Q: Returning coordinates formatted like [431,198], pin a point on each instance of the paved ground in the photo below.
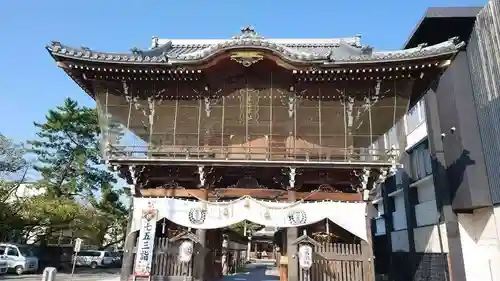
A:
[258,271]
[80,275]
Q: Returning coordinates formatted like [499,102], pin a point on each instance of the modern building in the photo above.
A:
[438,217]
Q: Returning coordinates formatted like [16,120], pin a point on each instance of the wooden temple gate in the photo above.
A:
[283,120]
[166,265]
[337,262]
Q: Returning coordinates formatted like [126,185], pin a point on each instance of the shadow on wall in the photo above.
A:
[433,266]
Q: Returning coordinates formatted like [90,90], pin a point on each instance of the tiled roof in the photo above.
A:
[323,51]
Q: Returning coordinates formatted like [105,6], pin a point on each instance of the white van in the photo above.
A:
[19,258]
[94,258]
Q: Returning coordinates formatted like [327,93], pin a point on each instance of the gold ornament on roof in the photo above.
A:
[247,58]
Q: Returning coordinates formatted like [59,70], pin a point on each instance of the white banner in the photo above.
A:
[212,215]
[144,254]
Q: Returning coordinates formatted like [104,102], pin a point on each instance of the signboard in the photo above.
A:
[78,245]
[144,255]
[305,256]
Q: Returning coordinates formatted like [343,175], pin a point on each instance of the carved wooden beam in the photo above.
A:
[253,192]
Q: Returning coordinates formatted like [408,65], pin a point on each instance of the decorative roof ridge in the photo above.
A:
[251,43]
[250,33]
[85,53]
[452,45]
[162,54]
[293,42]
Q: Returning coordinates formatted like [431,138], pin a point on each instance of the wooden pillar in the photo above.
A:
[224,258]
[291,235]
[367,246]
[249,249]
[130,243]
[200,259]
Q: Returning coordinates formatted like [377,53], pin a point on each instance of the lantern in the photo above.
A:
[186,250]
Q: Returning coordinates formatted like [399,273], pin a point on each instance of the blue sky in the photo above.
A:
[30,82]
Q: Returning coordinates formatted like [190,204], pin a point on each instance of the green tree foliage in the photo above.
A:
[110,217]
[13,170]
[68,151]
[70,163]
[11,156]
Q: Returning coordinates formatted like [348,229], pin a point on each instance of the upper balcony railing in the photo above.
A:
[251,153]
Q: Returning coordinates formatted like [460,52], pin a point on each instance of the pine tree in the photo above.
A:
[68,151]
[70,163]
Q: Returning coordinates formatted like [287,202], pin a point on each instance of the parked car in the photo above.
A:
[117,258]
[3,265]
[58,256]
[19,258]
[94,258]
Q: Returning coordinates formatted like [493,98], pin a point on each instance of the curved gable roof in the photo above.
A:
[325,52]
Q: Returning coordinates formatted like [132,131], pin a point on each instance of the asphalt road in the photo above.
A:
[99,274]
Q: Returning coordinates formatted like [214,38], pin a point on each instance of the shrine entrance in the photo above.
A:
[224,253]
[190,240]
[336,254]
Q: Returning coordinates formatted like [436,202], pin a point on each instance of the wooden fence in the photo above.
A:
[166,265]
[336,262]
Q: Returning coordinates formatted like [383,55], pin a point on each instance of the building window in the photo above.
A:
[415,117]
[399,214]
[399,178]
[392,138]
[421,164]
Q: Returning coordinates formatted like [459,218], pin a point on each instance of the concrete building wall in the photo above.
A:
[399,241]
[480,244]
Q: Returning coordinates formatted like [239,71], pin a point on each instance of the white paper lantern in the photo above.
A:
[305,256]
[186,251]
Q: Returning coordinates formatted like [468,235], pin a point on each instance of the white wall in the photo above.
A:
[379,226]
[480,244]
[429,240]
[399,215]
[379,219]
[416,135]
[400,241]
[426,210]
[399,236]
